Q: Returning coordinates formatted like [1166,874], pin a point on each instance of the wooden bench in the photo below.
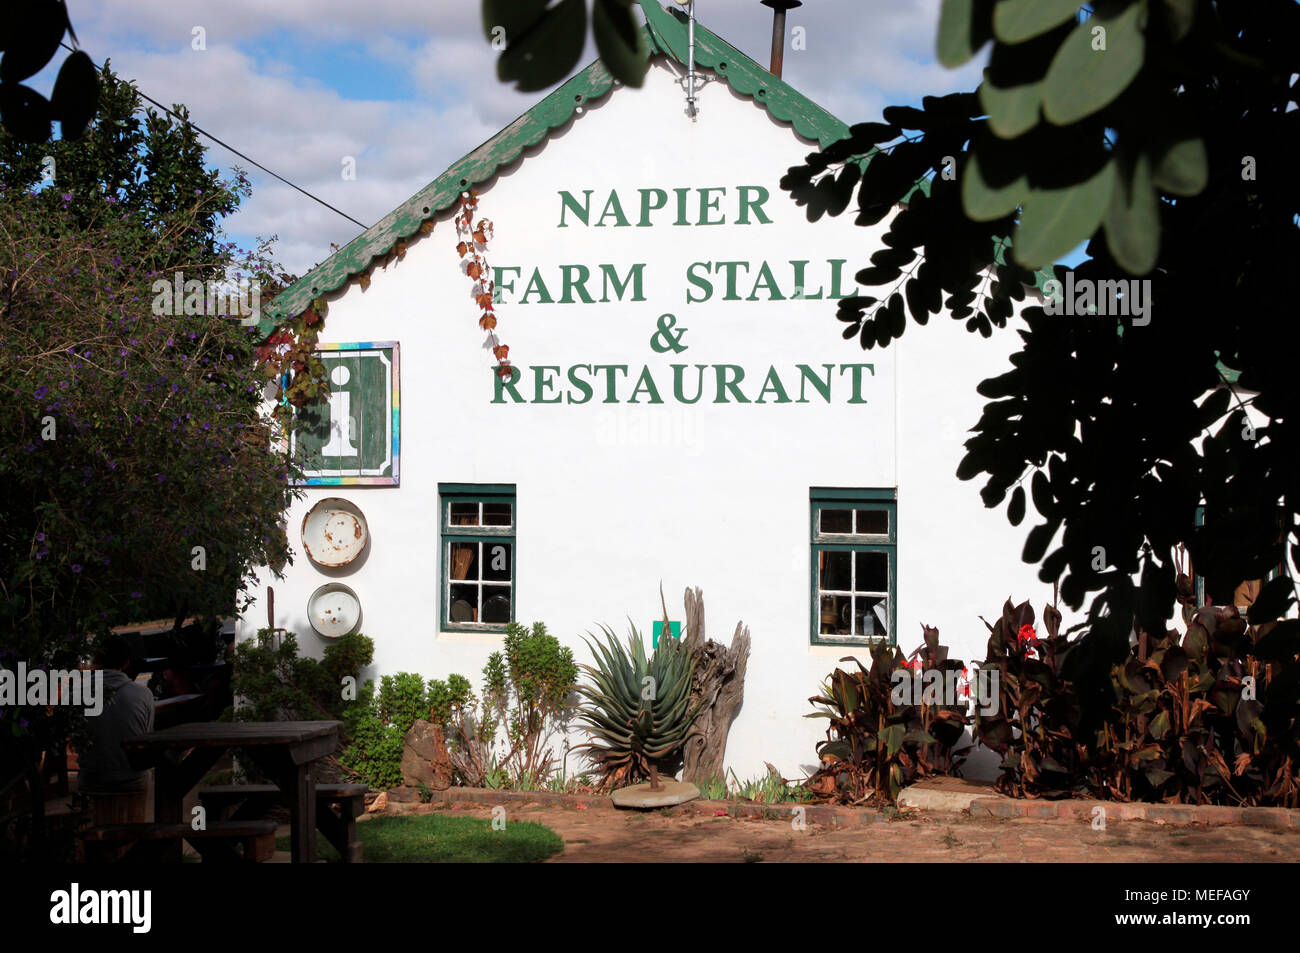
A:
[215,843]
[337,808]
[340,826]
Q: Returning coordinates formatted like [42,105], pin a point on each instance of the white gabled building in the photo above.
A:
[684,408]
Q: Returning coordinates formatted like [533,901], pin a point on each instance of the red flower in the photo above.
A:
[1027,636]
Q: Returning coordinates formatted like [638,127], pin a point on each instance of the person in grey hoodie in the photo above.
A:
[117,790]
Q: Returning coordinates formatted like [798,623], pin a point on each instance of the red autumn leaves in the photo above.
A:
[472,245]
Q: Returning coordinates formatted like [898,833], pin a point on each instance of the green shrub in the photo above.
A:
[347,656]
[878,741]
[527,689]
[1209,716]
[402,699]
[447,699]
[377,723]
[271,683]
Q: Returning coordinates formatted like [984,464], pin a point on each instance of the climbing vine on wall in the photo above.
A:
[472,248]
[288,359]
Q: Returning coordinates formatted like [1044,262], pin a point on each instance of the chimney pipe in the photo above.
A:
[778,31]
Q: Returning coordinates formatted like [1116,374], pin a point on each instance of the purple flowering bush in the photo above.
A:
[141,478]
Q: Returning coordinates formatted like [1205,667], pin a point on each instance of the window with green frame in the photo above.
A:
[854,565]
[478,525]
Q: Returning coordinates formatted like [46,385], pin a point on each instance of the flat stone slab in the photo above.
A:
[928,800]
[640,795]
[944,794]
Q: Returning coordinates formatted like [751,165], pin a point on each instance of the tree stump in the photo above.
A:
[718,687]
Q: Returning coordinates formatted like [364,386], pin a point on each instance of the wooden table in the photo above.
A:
[284,750]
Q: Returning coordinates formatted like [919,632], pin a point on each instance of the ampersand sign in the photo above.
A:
[666,339]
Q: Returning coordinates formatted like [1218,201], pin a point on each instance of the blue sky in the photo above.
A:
[409,86]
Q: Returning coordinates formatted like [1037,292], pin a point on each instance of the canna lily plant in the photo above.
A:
[638,711]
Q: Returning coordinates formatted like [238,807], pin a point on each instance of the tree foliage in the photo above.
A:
[1171,151]
[30,34]
[541,43]
[140,477]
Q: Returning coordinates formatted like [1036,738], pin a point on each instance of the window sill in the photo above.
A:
[471,634]
[848,643]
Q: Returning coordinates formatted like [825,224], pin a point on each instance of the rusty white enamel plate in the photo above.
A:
[334,610]
[334,532]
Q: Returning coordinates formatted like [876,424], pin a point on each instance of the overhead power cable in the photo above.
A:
[228,147]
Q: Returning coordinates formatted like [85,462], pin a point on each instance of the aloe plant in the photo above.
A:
[638,711]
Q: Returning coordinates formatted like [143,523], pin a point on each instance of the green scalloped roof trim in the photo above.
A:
[665,33]
[442,193]
[743,75]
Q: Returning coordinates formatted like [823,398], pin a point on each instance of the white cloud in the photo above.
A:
[860,57]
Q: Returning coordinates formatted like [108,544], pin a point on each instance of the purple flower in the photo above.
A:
[76,567]
[137,595]
[41,392]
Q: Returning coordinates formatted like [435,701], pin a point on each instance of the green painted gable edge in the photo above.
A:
[663,34]
[442,193]
[742,74]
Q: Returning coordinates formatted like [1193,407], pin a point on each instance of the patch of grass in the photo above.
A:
[714,789]
[767,789]
[750,856]
[949,840]
[439,839]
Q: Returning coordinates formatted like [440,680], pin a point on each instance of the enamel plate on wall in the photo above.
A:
[334,610]
[334,532]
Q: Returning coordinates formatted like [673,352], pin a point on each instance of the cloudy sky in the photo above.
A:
[409,86]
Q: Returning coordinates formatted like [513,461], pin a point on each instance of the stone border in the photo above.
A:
[842,816]
[1277,818]
[830,815]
